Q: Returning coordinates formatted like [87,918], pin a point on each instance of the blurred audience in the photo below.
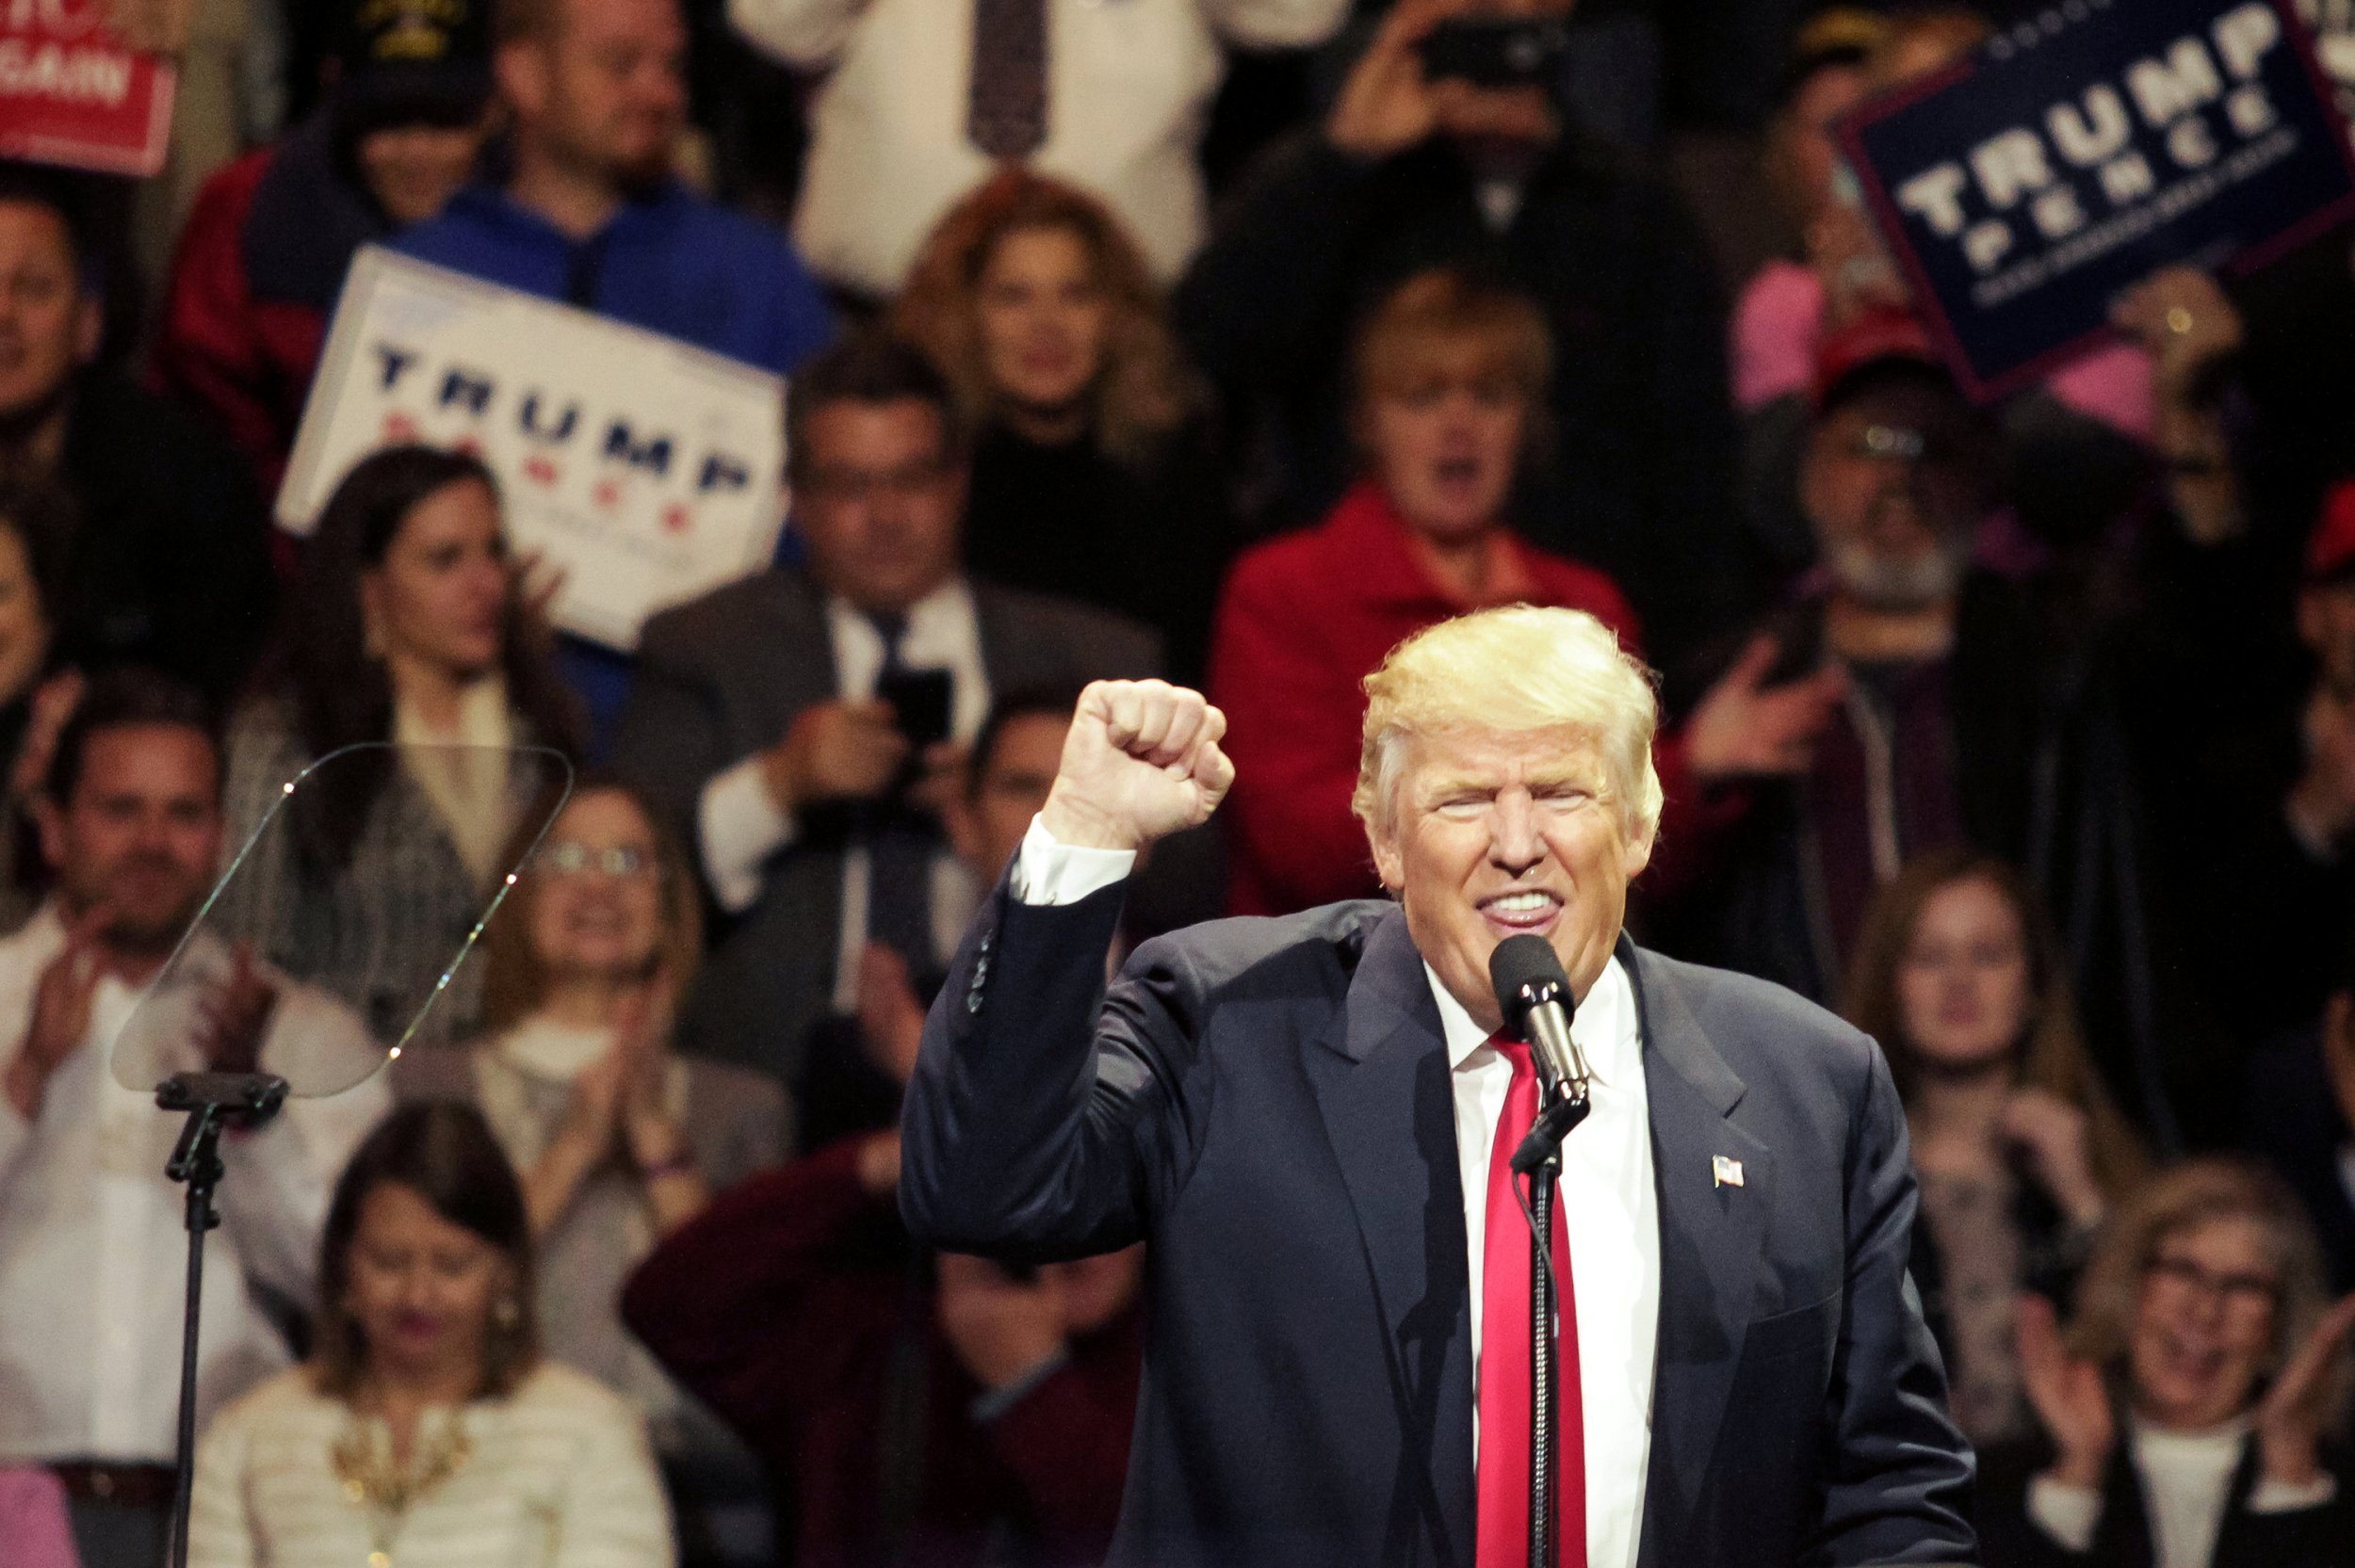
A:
[800,726]
[2021,1150]
[618,1139]
[263,253]
[36,689]
[593,94]
[169,560]
[91,1237]
[942,1410]
[1409,173]
[1092,476]
[33,1519]
[408,638]
[2184,1411]
[426,1428]
[2300,1116]
[919,103]
[1450,371]
[856,1066]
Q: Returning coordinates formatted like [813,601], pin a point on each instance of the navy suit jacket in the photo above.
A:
[1267,1103]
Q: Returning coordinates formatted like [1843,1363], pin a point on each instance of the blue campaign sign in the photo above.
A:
[2081,150]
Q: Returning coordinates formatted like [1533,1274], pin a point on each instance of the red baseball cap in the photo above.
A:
[1877,336]
[2330,548]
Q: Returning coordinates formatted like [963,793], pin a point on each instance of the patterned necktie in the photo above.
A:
[1505,1351]
[898,848]
[1006,107]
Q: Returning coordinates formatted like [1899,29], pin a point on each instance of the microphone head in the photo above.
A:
[1526,970]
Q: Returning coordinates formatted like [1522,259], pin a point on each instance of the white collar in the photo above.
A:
[1604,1026]
[950,605]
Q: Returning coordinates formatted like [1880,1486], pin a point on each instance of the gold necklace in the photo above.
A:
[373,1480]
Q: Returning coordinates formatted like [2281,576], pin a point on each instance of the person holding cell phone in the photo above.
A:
[802,727]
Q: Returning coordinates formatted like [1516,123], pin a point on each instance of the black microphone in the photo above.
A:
[1534,994]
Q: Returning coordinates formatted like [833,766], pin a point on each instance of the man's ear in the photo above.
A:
[521,70]
[1390,862]
[1637,851]
[2311,630]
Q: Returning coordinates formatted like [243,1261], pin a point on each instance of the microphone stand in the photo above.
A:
[1560,1107]
[212,1102]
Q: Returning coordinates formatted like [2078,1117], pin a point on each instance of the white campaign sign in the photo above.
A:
[646,469]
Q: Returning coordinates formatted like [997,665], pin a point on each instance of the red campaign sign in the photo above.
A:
[71,94]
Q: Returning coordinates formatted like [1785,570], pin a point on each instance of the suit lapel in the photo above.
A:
[1380,1075]
[1710,1241]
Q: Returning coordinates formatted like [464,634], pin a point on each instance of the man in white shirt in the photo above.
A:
[92,1250]
[1310,1122]
[755,718]
[926,97]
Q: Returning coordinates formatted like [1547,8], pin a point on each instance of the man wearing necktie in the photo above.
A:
[1310,1120]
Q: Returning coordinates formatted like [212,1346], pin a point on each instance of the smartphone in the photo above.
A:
[921,704]
[1496,52]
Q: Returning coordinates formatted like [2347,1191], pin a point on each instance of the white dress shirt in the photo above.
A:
[1129,84]
[2186,1481]
[741,825]
[1607,1196]
[93,1253]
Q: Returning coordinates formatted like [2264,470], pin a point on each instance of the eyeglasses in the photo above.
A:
[2238,1292]
[567,858]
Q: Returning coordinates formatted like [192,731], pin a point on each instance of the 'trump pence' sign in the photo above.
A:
[644,468]
[2084,149]
[71,94]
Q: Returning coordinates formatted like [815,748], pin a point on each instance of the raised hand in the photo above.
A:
[2053,1134]
[232,1022]
[1000,1326]
[839,750]
[2290,1418]
[61,1011]
[1744,728]
[1142,762]
[2067,1394]
[1386,105]
[2184,320]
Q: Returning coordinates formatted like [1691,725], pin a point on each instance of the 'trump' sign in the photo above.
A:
[646,469]
[2085,149]
[71,94]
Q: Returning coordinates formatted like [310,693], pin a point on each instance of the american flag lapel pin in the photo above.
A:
[1724,1171]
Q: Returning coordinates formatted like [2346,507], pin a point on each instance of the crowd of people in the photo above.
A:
[2021,735]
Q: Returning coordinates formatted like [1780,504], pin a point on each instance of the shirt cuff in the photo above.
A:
[987,1407]
[1049,871]
[2273,1497]
[740,827]
[2066,1513]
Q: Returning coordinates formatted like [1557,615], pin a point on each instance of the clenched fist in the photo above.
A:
[1142,761]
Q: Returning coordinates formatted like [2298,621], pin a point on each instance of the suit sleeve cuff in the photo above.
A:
[1047,871]
[740,827]
[2066,1513]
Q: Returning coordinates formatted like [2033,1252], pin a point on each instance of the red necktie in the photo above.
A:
[1505,1354]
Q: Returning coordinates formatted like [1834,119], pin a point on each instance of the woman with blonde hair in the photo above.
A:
[2021,1151]
[618,1141]
[1091,475]
[2184,1411]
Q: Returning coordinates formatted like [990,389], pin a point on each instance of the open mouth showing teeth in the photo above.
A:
[1522,911]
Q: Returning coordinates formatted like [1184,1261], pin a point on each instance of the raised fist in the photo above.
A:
[1142,762]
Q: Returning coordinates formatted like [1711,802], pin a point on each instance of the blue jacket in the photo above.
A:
[676,265]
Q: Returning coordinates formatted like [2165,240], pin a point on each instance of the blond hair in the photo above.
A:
[1512,671]
[2193,1195]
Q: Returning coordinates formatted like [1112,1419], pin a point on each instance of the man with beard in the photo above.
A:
[1952,727]
[90,1230]
[589,213]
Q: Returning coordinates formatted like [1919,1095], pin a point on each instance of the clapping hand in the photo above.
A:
[232,1022]
[61,1011]
[1001,1326]
[2056,1138]
[2067,1394]
[1142,762]
[1743,728]
[2290,1418]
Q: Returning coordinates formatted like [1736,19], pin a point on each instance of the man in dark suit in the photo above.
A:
[1309,1119]
[761,718]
